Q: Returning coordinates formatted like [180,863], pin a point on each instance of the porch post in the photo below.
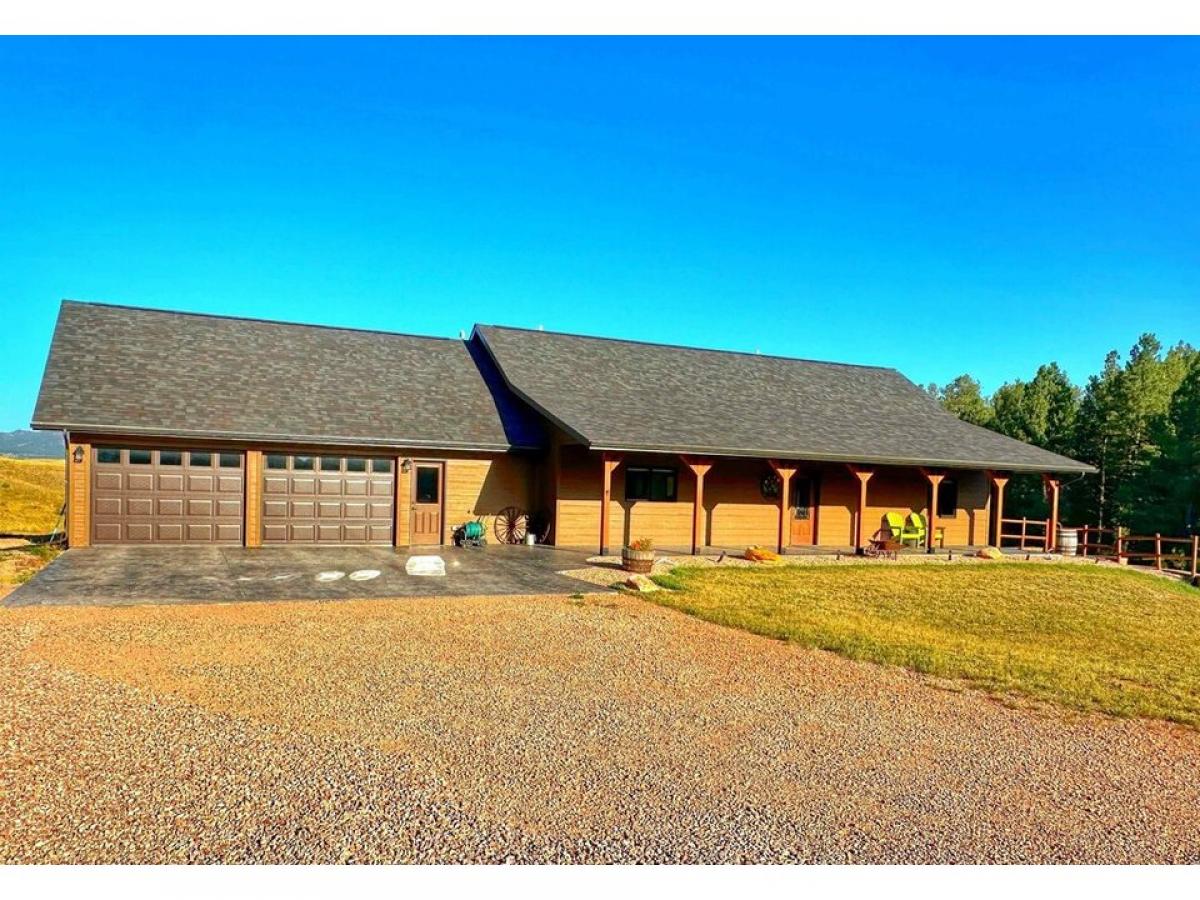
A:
[1052,487]
[999,482]
[610,463]
[785,473]
[699,469]
[863,475]
[935,481]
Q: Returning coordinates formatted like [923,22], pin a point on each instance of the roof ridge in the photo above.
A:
[616,340]
[258,319]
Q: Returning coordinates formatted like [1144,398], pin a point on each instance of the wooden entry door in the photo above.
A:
[804,510]
[427,503]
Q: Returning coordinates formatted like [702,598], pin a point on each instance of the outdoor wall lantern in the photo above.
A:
[78,455]
[406,466]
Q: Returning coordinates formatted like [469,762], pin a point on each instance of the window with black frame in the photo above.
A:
[651,483]
[947,505]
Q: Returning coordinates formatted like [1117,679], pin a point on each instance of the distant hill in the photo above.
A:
[31,444]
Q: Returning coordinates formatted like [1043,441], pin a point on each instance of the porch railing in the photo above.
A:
[1025,538]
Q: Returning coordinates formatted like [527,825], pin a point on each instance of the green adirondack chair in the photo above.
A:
[900,530]
[916,527]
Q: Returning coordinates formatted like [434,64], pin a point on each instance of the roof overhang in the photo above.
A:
[793,454]
[273,439]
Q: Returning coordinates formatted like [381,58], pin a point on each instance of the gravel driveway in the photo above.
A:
[540,729]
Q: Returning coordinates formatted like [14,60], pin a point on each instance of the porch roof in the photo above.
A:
[628,395]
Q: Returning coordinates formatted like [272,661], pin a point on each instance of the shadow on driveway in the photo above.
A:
[118,576]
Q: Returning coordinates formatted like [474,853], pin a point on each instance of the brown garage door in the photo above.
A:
[142,496]
[327,499]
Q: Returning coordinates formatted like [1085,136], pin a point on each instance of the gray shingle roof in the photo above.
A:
[626,395]
[141,371]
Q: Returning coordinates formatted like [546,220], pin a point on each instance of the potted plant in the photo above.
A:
[638,556]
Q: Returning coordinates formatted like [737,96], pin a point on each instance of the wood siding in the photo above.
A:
[79,495]
[254,471]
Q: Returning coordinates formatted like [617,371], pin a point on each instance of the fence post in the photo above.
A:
[1049,536]
[1084,543]
[1023,521]
[1158,551]
[1117,544]
[1195,556]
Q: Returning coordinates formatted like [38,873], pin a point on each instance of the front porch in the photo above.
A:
[703,505]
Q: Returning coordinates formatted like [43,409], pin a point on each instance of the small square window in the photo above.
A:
[170,458]
[230,461]
[331,464]
[276,461]
[303,463]
[108,454]
[200,458]
[381,465]
[356,464]
[139,457]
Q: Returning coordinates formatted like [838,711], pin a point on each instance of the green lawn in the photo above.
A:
[1088,637]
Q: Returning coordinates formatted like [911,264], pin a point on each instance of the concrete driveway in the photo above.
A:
[118,576]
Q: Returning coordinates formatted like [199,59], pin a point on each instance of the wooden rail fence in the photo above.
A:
[1126,546]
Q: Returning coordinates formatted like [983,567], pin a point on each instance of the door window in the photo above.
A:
[427,484]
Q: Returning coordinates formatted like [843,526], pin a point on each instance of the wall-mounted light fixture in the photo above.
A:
[406,465]
[77,455]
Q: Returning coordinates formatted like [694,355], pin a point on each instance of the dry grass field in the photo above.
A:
[31,494]
[1088,637]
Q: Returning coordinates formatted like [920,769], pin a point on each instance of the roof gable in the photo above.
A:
[132,370]
[627,395]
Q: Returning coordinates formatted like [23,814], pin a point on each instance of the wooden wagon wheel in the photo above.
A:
[512,524]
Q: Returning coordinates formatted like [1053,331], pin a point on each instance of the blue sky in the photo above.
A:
[942,206]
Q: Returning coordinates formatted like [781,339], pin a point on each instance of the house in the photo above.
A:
[186,428]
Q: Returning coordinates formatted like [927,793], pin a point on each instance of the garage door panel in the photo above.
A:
[200,483]
[164,500]
[108,531]
[199,533]
[275,484]
[139,532]
[301,532]
[229,509]
[200,507]
[108,481]
[169,506]
[170,482]
[229,484]
[108,506]
[306,485]
[329,506]
[171,532]
[139,481]
[139,506]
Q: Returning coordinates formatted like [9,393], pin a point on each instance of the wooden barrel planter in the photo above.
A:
[640,561]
